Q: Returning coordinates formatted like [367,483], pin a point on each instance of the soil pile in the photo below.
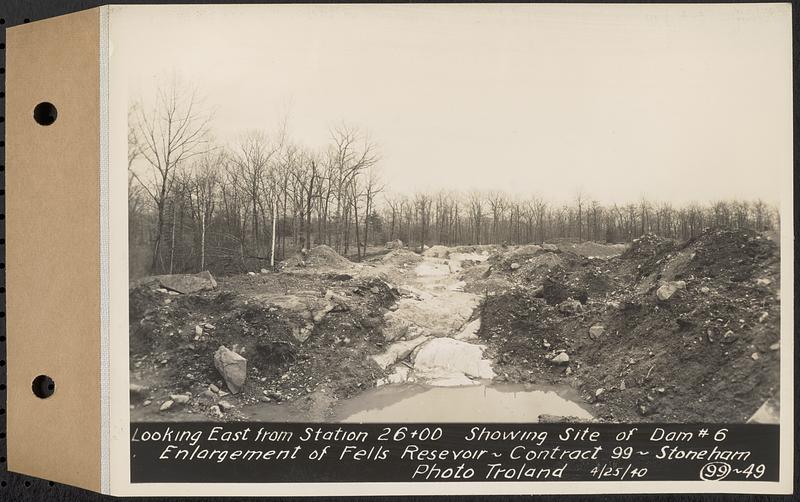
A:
[707,353]
[173,339]
[437,252]
[400,258]
[593,249]
[321,256]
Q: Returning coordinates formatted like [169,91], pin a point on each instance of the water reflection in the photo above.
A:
[480,403]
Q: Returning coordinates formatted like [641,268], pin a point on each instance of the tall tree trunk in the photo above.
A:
[274,220]
[172,243]
[159,236]
[203,241]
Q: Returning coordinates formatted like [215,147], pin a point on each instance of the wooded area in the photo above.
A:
[196,205]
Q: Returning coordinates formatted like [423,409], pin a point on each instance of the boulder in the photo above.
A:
[320,314]
[596,331]
[232,367]
[442,315]
[550,247]
[166,405]
[188,283]
[395,328]
[395,244]
[339,301]
[180,398]
[668,290]
[398,351]
[445,357]
[514,266]
[302,333]
[469,331]
[561,358]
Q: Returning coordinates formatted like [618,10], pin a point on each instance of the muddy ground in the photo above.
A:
[324,329]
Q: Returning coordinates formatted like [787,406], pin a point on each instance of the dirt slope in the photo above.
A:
[708,353]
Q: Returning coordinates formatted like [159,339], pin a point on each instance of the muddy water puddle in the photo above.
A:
[478,403]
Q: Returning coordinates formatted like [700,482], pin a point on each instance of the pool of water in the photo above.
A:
[478,403]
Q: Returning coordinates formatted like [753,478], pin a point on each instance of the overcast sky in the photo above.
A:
[676,103]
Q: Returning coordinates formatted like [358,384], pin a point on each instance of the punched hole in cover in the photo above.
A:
[43,386]
[45,113]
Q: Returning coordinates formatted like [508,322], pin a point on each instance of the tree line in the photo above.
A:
[196,205]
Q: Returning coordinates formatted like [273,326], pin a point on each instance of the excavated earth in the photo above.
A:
[709,353]
[657,330]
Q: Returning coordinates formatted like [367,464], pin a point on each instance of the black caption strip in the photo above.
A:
[275,452]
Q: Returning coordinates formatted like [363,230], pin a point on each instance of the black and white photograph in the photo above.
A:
[439,213]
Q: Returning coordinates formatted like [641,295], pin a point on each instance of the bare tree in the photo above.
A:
[203,186]
[372,187]
[167,134]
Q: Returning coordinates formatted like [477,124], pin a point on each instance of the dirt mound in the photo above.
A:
[596,282]
[554,292]
[401,258]
[321,256]
[475,248]
[173,337]
[543,263]
[648,245]
[729,255]
[513,258]
[593,249]
[710,353]
[437,252]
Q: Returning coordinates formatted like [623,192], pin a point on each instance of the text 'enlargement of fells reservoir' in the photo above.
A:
[259,452]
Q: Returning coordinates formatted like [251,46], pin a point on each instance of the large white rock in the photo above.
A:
[187,283]
[441,315]
[668,290]
[596,331]
[470,331]
[232,367]
[395,327]
[398,351]
[445,356]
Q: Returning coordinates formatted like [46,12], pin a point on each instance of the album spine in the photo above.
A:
[53,255]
